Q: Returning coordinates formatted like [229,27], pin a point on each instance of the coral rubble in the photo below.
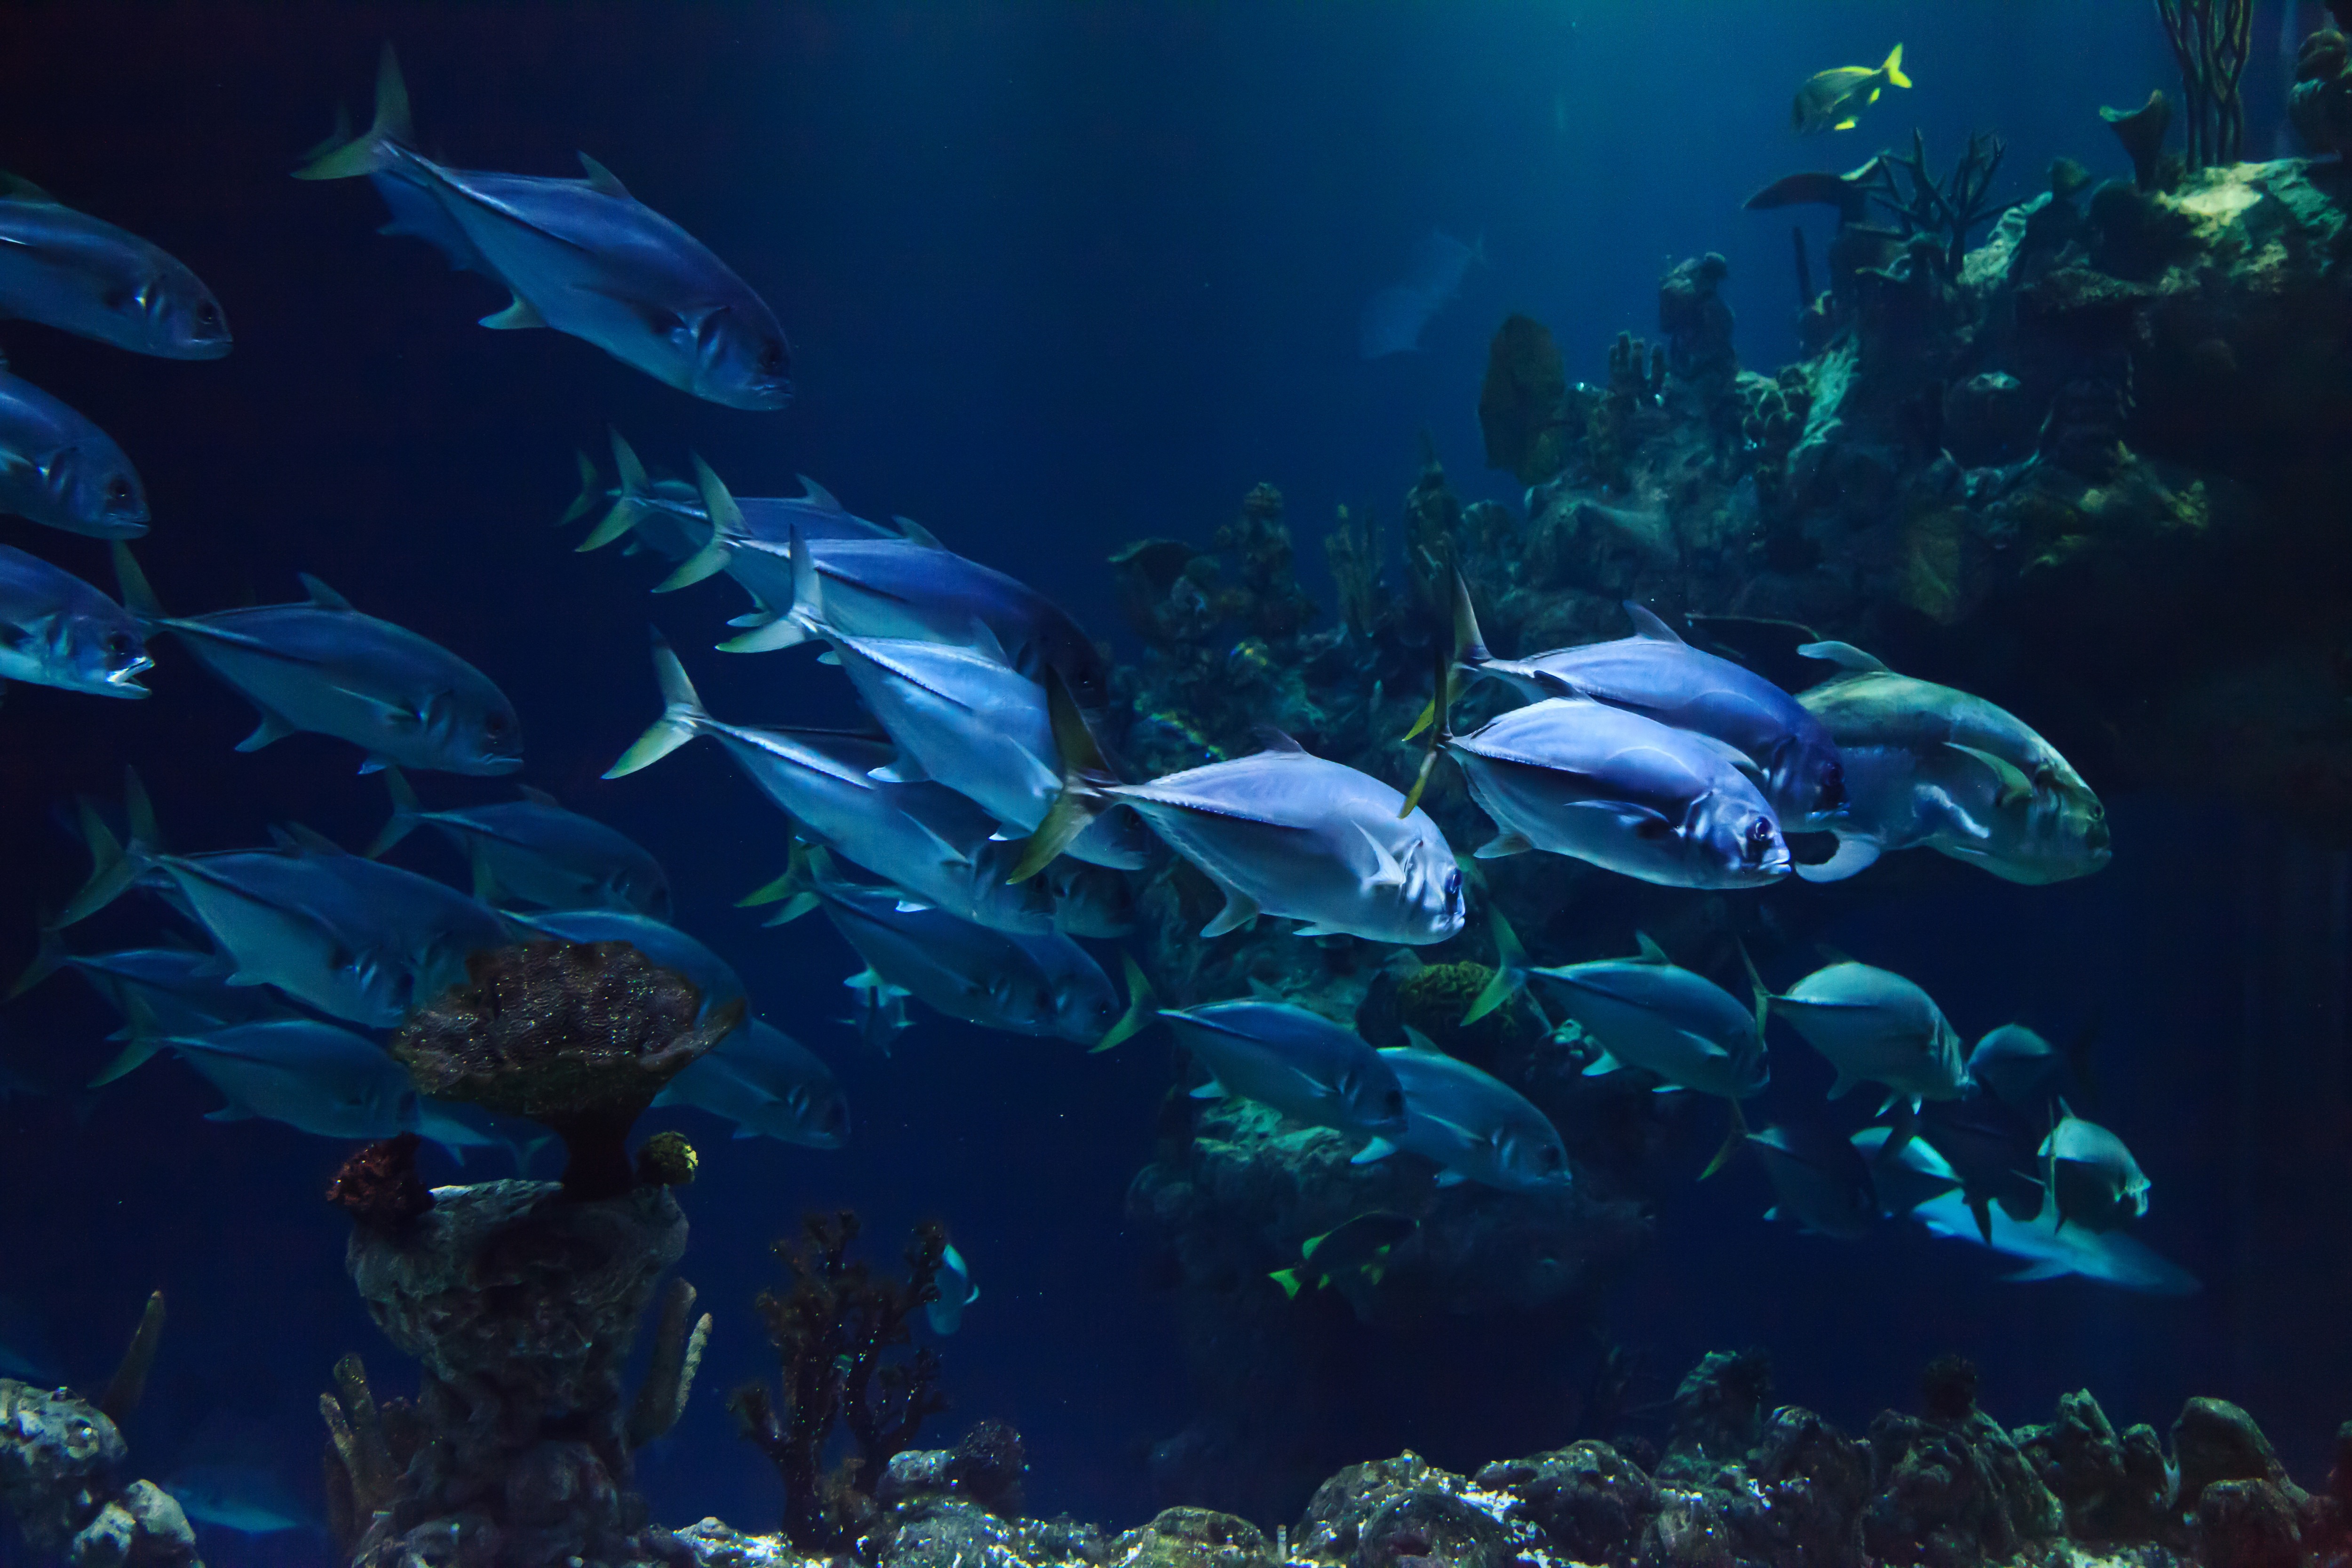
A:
[58,1459]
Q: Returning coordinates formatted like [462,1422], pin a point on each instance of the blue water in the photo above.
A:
[1056,278]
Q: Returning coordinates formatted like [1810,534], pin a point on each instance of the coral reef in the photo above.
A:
[833,1330]
[577,1036]
[1230,1201]
[378,1187]
[521,1303]
[58,1459]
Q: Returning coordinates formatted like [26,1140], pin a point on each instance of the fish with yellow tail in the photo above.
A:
[1831,99]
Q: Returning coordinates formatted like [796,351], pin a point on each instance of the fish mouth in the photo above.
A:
[124,682]
[499,764]
[763,395]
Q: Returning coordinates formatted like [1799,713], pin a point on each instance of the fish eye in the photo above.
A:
[772,359]
[1833,790]
[118,491]
[494,725]
[121,646]
[1761,834]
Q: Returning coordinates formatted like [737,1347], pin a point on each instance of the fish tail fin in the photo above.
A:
[48,959]
[366,153]
[1081,799]
[406,810]
[1469,649]
[1756,985]
[138,596]
[138,812]
[795,890]
[1732,1140]
[143,1044]
[797,622]
[1894,69]
[630,489]
[682,718]
[726,528]
[1510,968]
[1289,1280]
[114,866]
[585,501]
[1140,1006]
[1441,730]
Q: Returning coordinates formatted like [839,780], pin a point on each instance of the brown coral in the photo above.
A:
[577,1036]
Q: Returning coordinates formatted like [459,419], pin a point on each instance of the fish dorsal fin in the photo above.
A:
[16,188]
[985,641]
[603,180]
[817,496]
[914,532]
[538,797]
[1648,627]
[321,595]
[1420,1042]
[1390,874]
[295,835]
[1651,952]
[1270,738]
[1845,656]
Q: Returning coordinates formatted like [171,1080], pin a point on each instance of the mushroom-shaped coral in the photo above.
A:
[577,1036]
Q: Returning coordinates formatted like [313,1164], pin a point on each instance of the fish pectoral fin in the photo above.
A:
[1853,854]
[2048,1268]
[1843,1085]
[1949,815]
[1387,872]
[1638,820]
[1211,1089]
[1502,845]
[519,314]
[912,907]
[1603,1063]
[1313,930]
[1450,1177]
[2014,784]
[1239,910]
[1847,125]
[906,770]
[1372,1152]
[271,728]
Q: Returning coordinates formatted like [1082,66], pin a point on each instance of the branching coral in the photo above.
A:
[1947,209]
[2211,39]
[833,1330]
[1270,601]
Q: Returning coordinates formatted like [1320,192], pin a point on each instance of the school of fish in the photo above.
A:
[971,845]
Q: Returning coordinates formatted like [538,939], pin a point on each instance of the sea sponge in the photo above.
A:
[578,1036]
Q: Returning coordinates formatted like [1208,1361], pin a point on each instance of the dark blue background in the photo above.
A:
[1056,277]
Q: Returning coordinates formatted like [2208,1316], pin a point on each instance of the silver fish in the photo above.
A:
[2022,1069]
[667,516]
[1929,766]
[1473,1125]
[1023,985]
[582,256]
[178,990]
[945,1311]
[1656,674]
[1832,100]
[534,851]
[769,1085]
[1874,1026]
[1650,1014]
[964,716]
[1620,791]
[57,630]
[1299,1063]
[82,275]
[324,667]
[1820,1180]
[245,1499]
[2093,1179]
[312,1076]
[354,939]
[665,945]
[1990,1146]
[928,840]
[62,471]
[905,587]
[2050,1248]
[878,1014]
[1280,833]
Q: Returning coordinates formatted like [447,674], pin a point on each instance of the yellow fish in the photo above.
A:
[1831,100]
